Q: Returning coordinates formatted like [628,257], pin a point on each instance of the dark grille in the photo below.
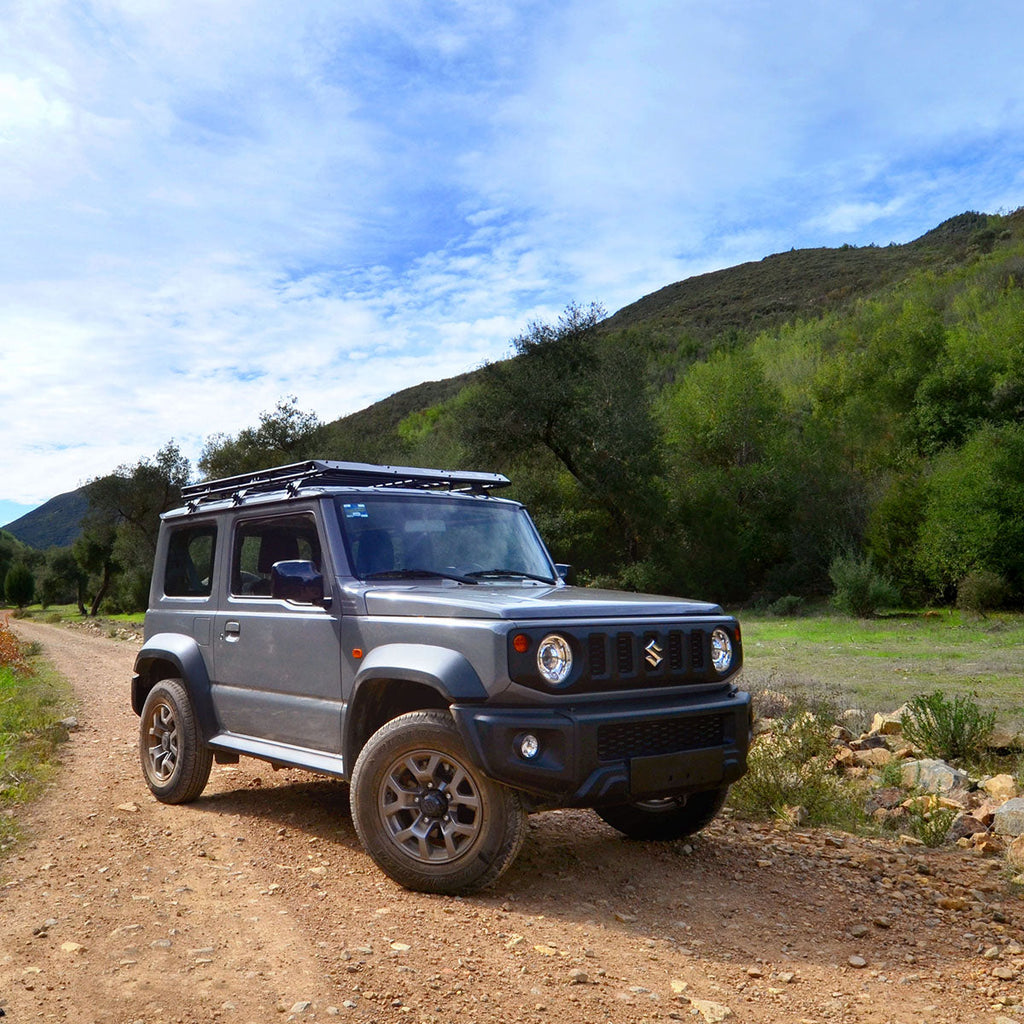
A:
[697,649]
[624,653]
[676,658]
[598,654]
[659,736]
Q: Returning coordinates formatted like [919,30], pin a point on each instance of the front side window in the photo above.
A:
[259,544]
[391,537]
[189,571]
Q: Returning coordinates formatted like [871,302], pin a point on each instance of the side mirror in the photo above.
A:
[300,582]
[566,573]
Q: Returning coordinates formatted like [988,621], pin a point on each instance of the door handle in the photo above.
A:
[232,631]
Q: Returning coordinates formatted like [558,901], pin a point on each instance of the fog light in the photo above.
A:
[529,746]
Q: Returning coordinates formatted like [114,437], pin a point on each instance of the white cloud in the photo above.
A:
[210,206]
[25,111]
[852,217]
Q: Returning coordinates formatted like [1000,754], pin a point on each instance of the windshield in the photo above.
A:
[396,537]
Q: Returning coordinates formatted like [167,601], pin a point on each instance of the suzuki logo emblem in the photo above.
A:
[654,658]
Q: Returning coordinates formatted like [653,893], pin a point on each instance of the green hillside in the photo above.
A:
[737,301]
[801,283]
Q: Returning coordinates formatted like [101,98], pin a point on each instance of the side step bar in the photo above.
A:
[281,753]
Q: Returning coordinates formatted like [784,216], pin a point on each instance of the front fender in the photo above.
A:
[440,668]
[180,654]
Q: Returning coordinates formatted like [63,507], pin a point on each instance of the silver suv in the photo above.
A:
[406,631]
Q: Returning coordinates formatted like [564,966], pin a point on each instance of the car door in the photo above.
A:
[277,664]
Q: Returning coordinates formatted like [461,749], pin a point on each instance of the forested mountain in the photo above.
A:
[732,436]
[56,523]
[801,283]
[693,316]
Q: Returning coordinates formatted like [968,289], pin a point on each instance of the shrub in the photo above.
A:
[787,607]
[949,729]
[980,591]
[860,589]
[12,650]
[794,765]
[19,585]
[929,821]
[891,774]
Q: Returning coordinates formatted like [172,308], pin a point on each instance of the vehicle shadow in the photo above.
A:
[315,806]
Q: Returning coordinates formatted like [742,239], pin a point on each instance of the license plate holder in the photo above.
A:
[667,773]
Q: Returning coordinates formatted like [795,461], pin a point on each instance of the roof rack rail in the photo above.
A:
[343,474]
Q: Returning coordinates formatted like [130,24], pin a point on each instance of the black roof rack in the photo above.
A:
[340,474]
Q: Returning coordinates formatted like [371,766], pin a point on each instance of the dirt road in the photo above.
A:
[257,904]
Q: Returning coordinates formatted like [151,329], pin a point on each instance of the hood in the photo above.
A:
[522,602]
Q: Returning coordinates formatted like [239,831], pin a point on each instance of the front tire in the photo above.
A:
[426,814]
[175,761]
[672,818]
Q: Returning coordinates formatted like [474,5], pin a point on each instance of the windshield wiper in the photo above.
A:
[509,574]
[419,574]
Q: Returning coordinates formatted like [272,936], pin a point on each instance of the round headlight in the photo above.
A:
[554,659]
[721,650]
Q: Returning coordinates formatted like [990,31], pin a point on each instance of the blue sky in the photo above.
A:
[208,206]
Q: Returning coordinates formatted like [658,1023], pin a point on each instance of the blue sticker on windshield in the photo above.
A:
[356,510]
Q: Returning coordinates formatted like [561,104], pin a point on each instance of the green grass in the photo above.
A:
[31,708]
[878,664]
[56,613]
[126,618]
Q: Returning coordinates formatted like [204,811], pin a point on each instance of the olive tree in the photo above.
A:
[19,585]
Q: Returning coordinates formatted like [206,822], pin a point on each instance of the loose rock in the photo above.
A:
[1000,787]
[1008,820]
[712,1012]
[934,776]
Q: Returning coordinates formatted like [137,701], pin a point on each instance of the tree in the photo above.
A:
[61,579]
[119,530]
[94,552]
[19,585]
[7,549]
[751,494]
[571,394]
[285,434]
[893,530]
[973,518]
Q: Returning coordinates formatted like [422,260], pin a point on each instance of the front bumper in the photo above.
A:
[613,752]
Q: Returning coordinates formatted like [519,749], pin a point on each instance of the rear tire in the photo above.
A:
[175,761]
[426,814]
[672,818]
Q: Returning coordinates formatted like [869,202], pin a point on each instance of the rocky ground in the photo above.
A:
[256,904]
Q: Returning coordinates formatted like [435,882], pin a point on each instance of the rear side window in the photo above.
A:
[189,571]
[259,544]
